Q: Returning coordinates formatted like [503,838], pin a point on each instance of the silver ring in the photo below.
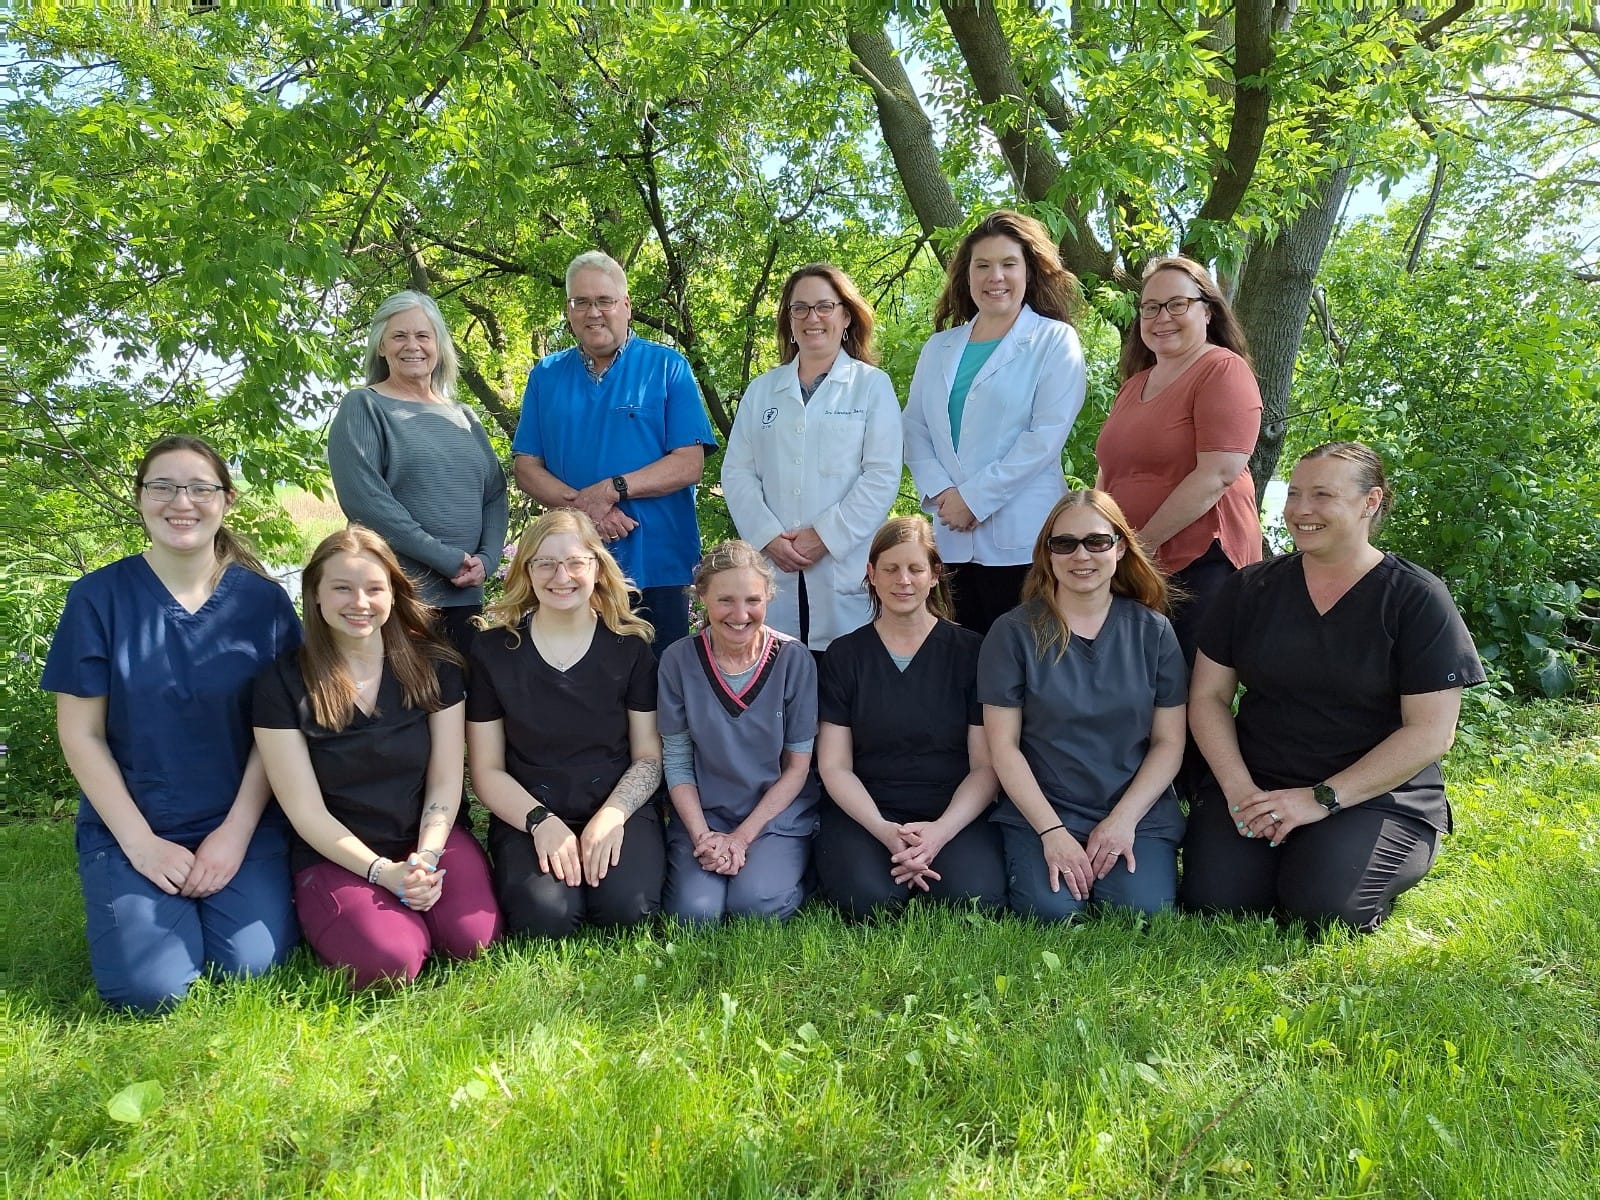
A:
[1275,818]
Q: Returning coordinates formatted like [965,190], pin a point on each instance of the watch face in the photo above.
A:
[1325,796]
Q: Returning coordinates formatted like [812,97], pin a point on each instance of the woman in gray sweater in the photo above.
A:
[416,466]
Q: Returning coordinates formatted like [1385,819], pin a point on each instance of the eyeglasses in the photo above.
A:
[546,567]
[1094,543]
[605,304]
[800,310]
[164,491]
[1177,306]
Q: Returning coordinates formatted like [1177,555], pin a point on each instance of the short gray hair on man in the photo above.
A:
[448,366]
[599,260]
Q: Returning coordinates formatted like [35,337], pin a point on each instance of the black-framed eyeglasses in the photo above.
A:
[800,310]
[1177,306]
[165,491]
[605,304]
[1094,543]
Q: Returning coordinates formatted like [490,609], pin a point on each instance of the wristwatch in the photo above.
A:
[535,816]
[620,482]
[1326,796]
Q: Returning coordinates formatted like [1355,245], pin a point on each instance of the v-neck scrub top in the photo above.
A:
[908,730]
[177,687]
[566,732]
[1322,689]
[372,773]
[1086,717]
[739,737]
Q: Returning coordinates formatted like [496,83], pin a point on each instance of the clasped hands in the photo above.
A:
[596,503]
[953,512]
[420,884]
[1274,815]
[796,550]
[912,846]
[720,853]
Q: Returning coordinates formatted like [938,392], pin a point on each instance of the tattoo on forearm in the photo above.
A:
[638,783]
[435,816]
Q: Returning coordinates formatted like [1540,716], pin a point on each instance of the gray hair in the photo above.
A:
[598,260]
[447,368]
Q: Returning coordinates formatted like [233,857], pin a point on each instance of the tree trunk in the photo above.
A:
[907,132]
[1273,299]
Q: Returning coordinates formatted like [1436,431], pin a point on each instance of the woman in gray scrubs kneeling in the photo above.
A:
[738,716]
[1083,689]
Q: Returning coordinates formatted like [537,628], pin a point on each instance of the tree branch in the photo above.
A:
[906,130]
[1252,104]
[1032,159]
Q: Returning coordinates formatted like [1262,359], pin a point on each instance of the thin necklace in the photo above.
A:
[550,638]
[363,684]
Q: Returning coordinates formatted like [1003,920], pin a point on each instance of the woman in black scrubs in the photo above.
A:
[901,749]
[561,734]
[1327,800]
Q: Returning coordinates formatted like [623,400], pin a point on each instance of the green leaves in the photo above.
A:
[136,1103]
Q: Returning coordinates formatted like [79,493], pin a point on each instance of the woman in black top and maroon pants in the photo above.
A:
[1327,801]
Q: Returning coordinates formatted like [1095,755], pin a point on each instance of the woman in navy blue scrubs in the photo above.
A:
[182,866]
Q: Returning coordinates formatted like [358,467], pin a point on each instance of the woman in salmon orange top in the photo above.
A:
[1175,451]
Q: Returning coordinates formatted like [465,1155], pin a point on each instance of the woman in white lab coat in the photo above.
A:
[992,402]
[813,462]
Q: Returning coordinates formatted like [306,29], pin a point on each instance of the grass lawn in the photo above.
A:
[1455,1053]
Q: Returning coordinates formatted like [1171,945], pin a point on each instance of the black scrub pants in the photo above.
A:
[540,905]
[853,867]
[983,594]
[1346,869]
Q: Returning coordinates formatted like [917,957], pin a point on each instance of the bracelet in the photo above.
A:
[376,869]
[437,855]
[1052,829]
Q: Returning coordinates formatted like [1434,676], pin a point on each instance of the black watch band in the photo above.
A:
[1326,796]
[620,482]
[535,816]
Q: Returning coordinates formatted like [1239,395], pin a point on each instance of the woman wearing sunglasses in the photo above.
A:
[1083,690]
[813,461]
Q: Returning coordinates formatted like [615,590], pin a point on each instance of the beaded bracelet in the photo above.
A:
[376,869]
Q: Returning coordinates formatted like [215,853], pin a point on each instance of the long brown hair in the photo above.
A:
[410,644]
[611,588]
[1136,576]
[227,546]
[857,335]
[1052,290]
[1222,330]
[897,531]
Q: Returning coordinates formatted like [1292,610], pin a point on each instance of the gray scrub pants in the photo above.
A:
[772,884]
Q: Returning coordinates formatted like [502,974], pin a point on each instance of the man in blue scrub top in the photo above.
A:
[615,427]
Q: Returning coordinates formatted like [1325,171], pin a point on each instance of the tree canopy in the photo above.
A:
[205,205]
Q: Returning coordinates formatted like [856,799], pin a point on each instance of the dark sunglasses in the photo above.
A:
[1095,543]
